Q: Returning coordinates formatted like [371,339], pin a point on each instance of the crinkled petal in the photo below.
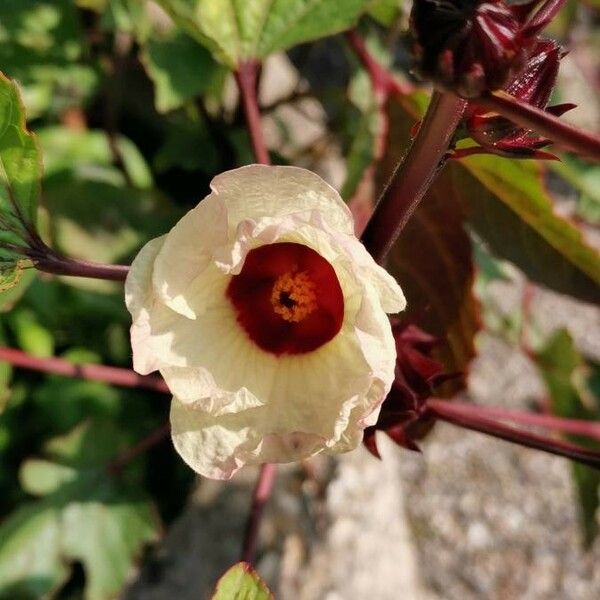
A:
[140,301]
[187,252]
[258,191]
[217,447]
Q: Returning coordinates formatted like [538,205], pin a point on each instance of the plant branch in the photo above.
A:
[579,427]
[246,78]
[262,491]
[543,122]
[60,366]
[49,262]
[414,175]
[464,416]
[382,79]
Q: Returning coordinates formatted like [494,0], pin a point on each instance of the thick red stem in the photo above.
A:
[262,491]
[463,416]
[59,366]
[544,123]
[580,427]
[246,77]
[414,175]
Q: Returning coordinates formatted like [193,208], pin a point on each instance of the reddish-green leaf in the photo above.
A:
[507,204]
[241,582]
[433,262]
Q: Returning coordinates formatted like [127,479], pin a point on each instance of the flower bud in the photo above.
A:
[466,46]
[472,46]
[533,85]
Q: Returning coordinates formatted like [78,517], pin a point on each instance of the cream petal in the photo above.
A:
[138,284]
[215,447]
[258,191]
[187,252]
[140,302]
[197,387]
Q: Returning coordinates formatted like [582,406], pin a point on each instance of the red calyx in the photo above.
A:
[417,376]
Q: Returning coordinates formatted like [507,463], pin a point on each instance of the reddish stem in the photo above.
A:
[58,265]
[116,465]
[414,175]
[262,491]
[60,366]
[381,79]
[542,122]
[589,429]
[464,416]
[246,77]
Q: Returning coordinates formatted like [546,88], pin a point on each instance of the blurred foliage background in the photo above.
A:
[134,115]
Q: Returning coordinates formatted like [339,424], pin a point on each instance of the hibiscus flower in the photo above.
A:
[267,318]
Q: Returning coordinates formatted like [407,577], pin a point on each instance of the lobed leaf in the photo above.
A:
[83,515]
[239,30]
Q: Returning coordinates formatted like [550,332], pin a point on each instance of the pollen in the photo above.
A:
[293,296]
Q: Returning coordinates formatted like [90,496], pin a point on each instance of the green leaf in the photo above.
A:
[362,150]
[24,278]
[386,12]
[180,68]
[20,162]
[507,204]
[116,219]
[237,30]
[42,47]
[85,152]
[5,376]
[569,379]
[188,146]
[585,178]
[31,335]
[241,582]
[20,173]
[31,565]
[83,515]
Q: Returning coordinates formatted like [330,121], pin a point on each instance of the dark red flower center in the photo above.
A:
[287,298]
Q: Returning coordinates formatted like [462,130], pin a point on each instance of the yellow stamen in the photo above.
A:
[293,296]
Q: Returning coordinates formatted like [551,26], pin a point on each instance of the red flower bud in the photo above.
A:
[473,46]
[533,85]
